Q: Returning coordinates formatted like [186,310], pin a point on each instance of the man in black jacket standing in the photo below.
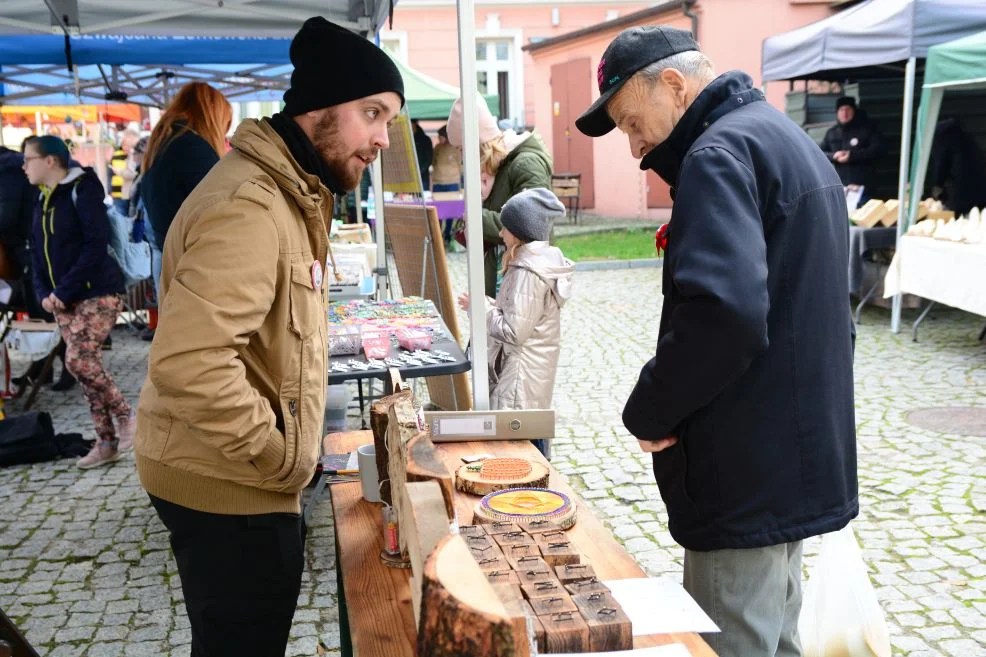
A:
[747,406]
[853,144]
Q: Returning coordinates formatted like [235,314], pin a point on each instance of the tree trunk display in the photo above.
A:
[461,614]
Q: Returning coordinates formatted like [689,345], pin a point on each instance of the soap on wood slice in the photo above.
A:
[552,604]
[565,632]
[502,577]
[529,562]
[572,572]
[486,552]
[543,589]
[501,527]
[515,553]
[497,474]
[483,547]
[559,553]
[493,563]
[609,626]
[535,574]
[514,538]
[541,526]
[472,530]
[591,585]
[460,612]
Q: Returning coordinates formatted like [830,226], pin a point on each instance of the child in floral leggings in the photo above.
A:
[84,328]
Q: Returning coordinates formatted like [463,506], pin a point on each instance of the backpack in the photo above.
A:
[133,259]
[30,438]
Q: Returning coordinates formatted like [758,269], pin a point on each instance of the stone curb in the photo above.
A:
[599,265]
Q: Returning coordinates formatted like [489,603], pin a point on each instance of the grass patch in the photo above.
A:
[628,244]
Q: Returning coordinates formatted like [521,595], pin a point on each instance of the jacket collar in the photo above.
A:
[259,141]
[728,92]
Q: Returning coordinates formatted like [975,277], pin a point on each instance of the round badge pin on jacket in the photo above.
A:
[317,275]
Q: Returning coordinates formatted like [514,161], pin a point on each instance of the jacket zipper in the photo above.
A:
[44,232]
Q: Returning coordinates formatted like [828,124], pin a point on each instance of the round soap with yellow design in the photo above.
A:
[525,505]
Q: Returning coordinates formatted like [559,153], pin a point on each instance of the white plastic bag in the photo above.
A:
[840,616]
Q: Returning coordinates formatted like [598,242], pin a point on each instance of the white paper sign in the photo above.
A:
[659,606]
[673,650]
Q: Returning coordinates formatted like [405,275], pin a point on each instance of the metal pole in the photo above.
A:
[474,209]
[376,178]
[905,160]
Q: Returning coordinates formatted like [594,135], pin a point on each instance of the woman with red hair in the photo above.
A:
[184,145]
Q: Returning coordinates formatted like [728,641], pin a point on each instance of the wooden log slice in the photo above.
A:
[461,614]
[514,473]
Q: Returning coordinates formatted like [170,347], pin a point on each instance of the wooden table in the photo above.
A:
[379,598]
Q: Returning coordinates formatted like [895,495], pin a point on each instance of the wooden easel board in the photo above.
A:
[416,239]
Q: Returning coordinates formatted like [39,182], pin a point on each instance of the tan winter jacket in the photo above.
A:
[524,327]
[230,416]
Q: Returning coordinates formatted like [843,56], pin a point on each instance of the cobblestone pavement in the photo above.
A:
[85,567]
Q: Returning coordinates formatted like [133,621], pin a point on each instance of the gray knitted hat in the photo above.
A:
[529,215]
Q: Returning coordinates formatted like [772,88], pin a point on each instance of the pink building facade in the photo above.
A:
[541,58]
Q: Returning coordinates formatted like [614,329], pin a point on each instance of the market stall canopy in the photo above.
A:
[144,49]
[872,33]
[33,68]
[244,18]
[428,98]
[959,64]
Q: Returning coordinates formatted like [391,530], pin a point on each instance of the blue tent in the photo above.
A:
[146,48]
[34,68]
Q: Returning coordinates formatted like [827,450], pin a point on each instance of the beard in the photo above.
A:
[344,166]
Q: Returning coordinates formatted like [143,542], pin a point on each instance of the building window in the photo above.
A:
[502,51]
[482,82]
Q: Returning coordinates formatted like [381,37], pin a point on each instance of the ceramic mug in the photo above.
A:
[366,455]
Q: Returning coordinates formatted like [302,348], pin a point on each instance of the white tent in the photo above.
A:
[868,40]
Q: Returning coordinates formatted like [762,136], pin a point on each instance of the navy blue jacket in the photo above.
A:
[70,242]
[177,168]
[753,370]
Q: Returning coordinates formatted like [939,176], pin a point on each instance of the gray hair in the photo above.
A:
[691,63]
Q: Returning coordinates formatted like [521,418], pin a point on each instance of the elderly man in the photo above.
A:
[230,418]
[747,406]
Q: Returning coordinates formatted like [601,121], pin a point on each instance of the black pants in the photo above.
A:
[241,576]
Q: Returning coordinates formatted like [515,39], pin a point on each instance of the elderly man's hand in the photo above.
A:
[841,157]
[651,446]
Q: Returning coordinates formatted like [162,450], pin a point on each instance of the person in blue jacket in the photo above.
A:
[747,405]
[77,280]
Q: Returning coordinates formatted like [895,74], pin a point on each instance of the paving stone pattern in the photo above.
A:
[85,567]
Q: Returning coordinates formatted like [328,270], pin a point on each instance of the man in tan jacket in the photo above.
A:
[230,416]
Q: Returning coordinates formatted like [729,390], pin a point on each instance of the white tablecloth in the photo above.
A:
[951,273]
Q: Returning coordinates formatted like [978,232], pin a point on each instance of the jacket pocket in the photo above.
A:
[306,301]
[671,472]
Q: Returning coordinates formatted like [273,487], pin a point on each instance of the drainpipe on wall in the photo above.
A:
[686,9]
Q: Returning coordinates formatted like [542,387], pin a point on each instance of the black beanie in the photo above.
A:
[333,66]
[845,100]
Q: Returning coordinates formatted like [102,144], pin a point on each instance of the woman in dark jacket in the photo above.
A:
[184,145]
[77,281]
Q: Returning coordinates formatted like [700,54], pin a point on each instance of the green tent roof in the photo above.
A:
[959,62]
[428,98]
